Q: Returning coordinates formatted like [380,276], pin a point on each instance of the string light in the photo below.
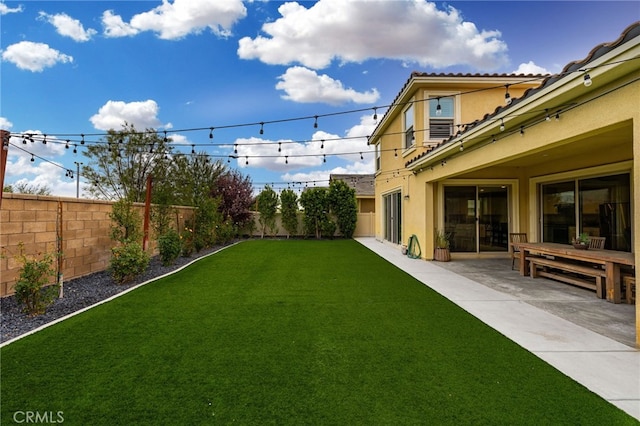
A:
[279,146]
[210,132]
[375,114]
[546,112]
[522,130]
[438,108]
[587,80]
[315,124]
[502,125]
[262,128]
[32,158]
[507,96]
[82,141]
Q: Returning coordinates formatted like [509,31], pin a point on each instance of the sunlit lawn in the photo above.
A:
[288,332]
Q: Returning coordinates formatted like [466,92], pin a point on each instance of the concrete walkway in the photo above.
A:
[603,365]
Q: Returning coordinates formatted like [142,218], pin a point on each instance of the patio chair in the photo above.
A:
[514,239]
[597,243]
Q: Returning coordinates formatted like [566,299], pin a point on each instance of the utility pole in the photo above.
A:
[4,152]
[78,178]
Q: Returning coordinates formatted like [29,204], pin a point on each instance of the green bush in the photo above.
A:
[170,246]
[127,262]
[34,275]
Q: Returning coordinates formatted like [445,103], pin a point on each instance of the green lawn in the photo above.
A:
[288,332]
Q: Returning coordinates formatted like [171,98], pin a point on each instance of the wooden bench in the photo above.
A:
[561,266]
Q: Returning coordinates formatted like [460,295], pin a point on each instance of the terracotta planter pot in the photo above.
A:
[442,254]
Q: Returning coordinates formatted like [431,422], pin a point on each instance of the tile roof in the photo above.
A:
[363,184]
[631,32]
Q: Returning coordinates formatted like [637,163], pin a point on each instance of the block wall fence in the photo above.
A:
[83,226]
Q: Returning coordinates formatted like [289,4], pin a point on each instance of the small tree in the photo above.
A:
[128,259]
[236,198]
[126,222]
[289,211]
[267,206]
[342,200]
[35,273]
[316,219]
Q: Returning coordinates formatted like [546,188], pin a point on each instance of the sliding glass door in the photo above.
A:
[477,218]
[597,206]
[393,217]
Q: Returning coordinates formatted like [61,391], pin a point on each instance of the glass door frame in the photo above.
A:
[513,204]
[535,184]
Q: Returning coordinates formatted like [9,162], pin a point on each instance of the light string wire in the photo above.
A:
[32,137]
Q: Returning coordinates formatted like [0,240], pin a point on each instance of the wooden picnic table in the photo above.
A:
[611,260]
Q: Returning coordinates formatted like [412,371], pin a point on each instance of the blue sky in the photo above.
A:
[82,67]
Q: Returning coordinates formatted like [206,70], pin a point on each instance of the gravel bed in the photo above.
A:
[79,293]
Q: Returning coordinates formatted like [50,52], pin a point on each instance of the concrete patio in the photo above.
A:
[588,339]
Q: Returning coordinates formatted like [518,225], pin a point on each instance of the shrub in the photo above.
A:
[342,199]
[289,209]
[170,246]
[127,262]
[187,240]
[267,205]
[127,223]
[34,275]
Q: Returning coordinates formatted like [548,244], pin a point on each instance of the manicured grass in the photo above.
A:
[288,332]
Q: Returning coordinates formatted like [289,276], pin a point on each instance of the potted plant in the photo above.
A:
[441,252]
[581,242]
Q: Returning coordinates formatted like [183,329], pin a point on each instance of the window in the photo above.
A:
[441,117]
[378,165]
[597,206]
[409,136]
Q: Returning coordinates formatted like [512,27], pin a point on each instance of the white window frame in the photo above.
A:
[412,128]
[428,95]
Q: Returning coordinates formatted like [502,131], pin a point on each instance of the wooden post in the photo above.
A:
[4,152]
[147,213]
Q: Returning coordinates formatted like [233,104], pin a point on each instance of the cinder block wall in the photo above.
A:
[83,226]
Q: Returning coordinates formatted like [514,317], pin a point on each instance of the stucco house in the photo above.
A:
[482,156]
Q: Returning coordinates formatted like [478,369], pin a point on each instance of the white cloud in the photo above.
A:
[114,26]
[4,9]
[178,19]
[287,155]
[531,68]
[306,86]
[113,115]
[34,57]
[39,173]
[67,26]
[353,31]
[5,124]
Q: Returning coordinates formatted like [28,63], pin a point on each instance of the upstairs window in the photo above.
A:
[441,118]
[409,134]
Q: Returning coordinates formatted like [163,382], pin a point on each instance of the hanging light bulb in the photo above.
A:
[361,157]
[324,158]
[246,160]
[286,159]
[461,146]
[438,108]
[82,140]
[193,149]
[279,146]
[75,150]
[507,96]
[165,136]
[262,128]
[493,139]
[315,124]
[235,148]
[375,115]
[322,144]
[44,141]
[395,152]
[210,132]
[587,80]
[501,125]
[547,117]
[66,146]
[32,158]
[522,130]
